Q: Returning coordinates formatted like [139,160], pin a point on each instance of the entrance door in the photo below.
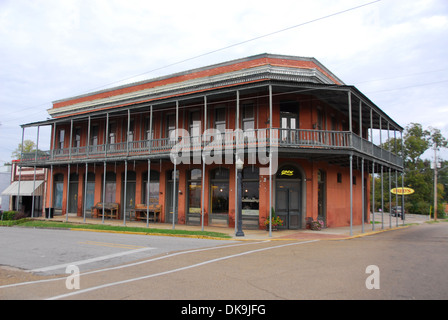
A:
[288,199]
[289,121]
[73,194]
[288,204]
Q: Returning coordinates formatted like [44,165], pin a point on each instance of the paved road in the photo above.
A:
[411,264]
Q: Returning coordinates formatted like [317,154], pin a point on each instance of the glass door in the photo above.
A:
[289,112]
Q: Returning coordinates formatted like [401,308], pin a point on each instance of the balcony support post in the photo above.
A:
[85,192]
[125,190]
[174,172]
[382,199]
[363,209]
[237,156]
[88,137]
[147,194]
[20,171]
[104,191]
[203,167]
[70,141]
[106,138]
[34,176]
[151,137]
[390,197]
[351,194]
[350,125]
[360,122]
[68,193]
[128,132]
[373,195]
[270,160]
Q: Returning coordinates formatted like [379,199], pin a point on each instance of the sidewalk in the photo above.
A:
[337,233]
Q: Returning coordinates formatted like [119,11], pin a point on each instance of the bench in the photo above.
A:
[153,209]
[110,210]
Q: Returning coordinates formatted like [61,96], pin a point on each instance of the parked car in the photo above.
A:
[396,211]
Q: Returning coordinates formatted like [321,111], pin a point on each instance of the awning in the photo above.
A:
[27,188]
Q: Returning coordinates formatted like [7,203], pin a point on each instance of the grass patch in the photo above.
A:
[63,225]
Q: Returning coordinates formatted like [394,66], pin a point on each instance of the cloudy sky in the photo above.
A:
[394,51]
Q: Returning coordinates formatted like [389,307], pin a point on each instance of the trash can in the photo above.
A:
[49,213]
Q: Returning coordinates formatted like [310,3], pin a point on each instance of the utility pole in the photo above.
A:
[436,166]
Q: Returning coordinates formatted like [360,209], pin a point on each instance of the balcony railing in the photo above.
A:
[281,138]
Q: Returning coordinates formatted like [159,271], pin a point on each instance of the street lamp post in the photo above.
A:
[239,167]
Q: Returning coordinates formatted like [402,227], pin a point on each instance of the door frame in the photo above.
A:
[302,184]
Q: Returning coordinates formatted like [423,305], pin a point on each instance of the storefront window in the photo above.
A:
[251,199]
[153,187]
[58,190]
[194,191]
[219,183]
[110,187]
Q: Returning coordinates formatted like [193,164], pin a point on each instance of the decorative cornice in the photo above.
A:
[264,72]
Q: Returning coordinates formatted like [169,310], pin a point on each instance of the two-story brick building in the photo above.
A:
[307,146]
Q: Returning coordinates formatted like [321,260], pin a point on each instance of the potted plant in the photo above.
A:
[317,225]
[275,221]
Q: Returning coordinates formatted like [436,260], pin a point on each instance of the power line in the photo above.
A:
[225,48]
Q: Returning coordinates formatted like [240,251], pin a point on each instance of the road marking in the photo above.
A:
[112,245]
[132,264]
[174,270]
[81,262]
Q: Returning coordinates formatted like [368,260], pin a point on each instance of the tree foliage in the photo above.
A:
[418,173]
[28,147]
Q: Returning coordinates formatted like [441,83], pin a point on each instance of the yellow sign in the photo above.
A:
[402,191]
[287,173]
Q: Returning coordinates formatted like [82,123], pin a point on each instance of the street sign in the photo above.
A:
[402,191]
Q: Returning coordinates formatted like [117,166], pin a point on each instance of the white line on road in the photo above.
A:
[174,270]
[81,262]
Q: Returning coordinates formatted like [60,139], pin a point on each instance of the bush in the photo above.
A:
[9,215]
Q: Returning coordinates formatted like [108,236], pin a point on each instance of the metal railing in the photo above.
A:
[290,138]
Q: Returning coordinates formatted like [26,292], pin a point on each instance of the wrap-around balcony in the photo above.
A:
[296,141]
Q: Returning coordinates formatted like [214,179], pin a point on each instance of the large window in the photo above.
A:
[219,184]
[111,187]
[248,117]
[194,191]
[58,190]
[61,138]
[220,120]
[153,187]
[90,195]
[251,199]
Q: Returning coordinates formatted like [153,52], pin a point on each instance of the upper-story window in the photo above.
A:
[94,135]
[195,127]
[170,124]
[112,132]
[129,132]
[61,138]
[77,138]
[149,132]
[220,120]
[248,117]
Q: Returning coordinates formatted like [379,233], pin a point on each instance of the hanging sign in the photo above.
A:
[287,172]
[402,191]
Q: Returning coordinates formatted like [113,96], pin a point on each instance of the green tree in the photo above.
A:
[418,173]
[28,147]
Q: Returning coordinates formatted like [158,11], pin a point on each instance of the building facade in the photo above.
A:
[304,138]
